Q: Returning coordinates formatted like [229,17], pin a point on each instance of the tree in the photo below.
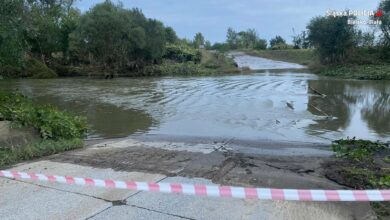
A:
[365,39]
[46,18]
[261,44]
[170,35]
[198,40]
[13,45]
[277,40]
[301,41]
[207,45]
[333,37]
[232,38]
[384,7]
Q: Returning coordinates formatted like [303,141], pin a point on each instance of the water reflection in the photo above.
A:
[361,108]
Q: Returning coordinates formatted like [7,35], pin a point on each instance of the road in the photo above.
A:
[24,199]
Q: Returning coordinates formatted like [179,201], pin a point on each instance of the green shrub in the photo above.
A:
[356,149]
[49,121]
[36,69]
[281,46]
[182,52]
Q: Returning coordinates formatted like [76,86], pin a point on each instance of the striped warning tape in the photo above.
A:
[214,190]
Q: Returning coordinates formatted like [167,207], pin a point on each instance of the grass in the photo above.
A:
[11,155]
[358,150]
[363,164]
[363,72]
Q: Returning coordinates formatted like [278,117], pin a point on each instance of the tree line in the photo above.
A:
[332,37]
[36,33]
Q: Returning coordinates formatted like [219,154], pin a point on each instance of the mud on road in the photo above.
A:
[215,162]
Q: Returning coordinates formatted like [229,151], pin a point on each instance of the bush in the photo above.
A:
[281,46]
[333,37]
[356,149]
[49,121]
[182,52]
[37,69]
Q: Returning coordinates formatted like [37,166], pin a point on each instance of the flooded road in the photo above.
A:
[262,106]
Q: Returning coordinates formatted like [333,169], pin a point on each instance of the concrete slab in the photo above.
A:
[199,207]
[129,212]
[20,200]
[225,208]
[65,169]
[205,148]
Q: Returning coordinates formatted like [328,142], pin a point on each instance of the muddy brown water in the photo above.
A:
[252,106]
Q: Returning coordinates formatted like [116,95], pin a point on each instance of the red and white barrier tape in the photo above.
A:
[214,191]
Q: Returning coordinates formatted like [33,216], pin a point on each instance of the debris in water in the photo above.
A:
[317,92]
[290,105]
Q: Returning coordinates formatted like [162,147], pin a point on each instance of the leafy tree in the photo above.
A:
[261,44]
[384,7]
[170,35]
[207,45]
[198,40]
[277,40]
[333,37]
[232,38]
[301,41]
[247,39]
[13,45]
[45,34]
[116,37]
[365,39]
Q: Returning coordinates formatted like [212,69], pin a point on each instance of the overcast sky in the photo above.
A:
[213,17]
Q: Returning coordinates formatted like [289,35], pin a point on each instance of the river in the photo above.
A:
[276,104]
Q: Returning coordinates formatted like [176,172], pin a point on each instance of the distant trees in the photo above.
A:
[301,41]
[333,37]
[248,39]
[384,6]
[278,43]
[198,40]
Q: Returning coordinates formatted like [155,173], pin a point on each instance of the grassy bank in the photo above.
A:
[362,164]
[56,130]
[363,64]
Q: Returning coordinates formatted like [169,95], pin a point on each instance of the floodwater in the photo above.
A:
[251,106]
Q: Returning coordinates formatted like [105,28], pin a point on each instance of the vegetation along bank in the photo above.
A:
[29,130]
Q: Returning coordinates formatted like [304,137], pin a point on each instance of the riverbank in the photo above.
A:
[29,130]
[363,65]
[196,62]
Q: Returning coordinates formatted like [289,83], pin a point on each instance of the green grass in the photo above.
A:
[11,155]
[364,167]
[358,150]
[363,72]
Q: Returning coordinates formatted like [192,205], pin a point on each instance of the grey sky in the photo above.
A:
[213,17]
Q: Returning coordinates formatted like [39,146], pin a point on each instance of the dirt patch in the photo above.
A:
[221,167]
